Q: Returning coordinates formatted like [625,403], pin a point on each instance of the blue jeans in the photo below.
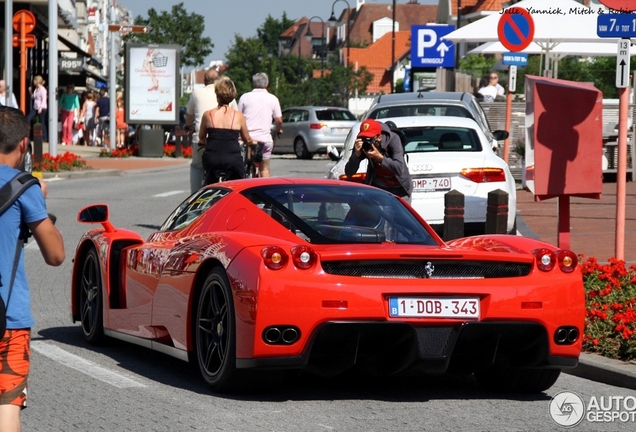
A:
[42,117]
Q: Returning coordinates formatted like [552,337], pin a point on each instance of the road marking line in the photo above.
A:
[52,179]
[82,365]
[167,194]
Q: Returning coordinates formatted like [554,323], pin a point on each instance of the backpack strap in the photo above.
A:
[12,190]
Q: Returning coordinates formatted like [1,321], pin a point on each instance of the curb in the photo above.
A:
[98,172]
[605,370]
[80,174]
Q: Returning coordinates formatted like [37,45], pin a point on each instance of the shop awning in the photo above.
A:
[89,58]
[95,75]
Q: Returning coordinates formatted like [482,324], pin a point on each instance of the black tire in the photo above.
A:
[300,149]
[91,305]
[250,171]
[509,380]
[215,333]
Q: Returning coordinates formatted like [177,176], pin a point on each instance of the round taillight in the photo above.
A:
[545,259]
[567,261]
[274,257]
[303,257]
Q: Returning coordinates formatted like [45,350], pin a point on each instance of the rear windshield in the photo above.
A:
[325,115]
[338,214]
[420,110]
[441,139]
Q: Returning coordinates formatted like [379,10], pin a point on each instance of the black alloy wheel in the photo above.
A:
[300,149]
[90,285]
[215,333]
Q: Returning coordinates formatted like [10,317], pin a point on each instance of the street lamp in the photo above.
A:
[332,19]
[309,35]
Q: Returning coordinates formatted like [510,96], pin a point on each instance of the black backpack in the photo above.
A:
[9,193]
[396,130]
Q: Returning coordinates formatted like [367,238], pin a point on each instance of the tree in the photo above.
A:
[177,27]
[291,76]
[271,29]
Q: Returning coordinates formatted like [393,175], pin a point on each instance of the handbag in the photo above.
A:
[10,192]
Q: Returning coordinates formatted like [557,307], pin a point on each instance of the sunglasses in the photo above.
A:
[494,77]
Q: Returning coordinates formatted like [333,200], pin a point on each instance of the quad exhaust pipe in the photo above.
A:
[281,335]
[566,335]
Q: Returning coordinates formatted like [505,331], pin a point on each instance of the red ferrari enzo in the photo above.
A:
[250,277]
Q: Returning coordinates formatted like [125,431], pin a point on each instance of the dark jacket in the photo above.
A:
[393,160]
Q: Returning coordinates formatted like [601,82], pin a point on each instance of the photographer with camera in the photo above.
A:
[386,168]
[28,209]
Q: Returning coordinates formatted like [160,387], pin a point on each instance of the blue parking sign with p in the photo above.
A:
[428,50]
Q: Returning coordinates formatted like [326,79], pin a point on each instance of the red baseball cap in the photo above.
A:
[369,128]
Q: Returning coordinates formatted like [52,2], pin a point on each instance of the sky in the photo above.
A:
[243,17]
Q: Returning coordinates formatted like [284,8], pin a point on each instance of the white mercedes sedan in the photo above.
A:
[443,154]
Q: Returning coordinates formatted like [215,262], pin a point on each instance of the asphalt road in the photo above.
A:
[122,387]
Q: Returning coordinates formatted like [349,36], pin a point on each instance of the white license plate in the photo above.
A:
[339,130]
[431,184]
[434,307]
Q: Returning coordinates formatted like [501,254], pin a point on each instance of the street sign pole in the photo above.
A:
[8,59]
[512,84]
[620,26]
[53,78]
[622,82]
[112,84]
[515,30]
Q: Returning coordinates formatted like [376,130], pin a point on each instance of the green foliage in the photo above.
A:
[477,65]
[244,58]
[291,78]
[176,27]
[600,71]
[270,31]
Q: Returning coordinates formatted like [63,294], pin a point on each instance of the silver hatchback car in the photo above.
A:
[308,130]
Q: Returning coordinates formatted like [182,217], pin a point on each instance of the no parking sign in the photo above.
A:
[515,29]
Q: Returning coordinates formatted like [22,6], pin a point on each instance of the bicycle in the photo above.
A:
[252,160]
[219,176]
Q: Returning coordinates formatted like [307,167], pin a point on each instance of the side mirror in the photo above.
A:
[500,135]
[97,213]
[333,153]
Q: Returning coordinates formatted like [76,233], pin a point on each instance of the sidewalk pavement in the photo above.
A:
[592,222]
[592,226]
[105,166]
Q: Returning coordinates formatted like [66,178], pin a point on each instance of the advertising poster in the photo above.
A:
[152,74]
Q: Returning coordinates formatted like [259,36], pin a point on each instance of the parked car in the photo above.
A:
[247,279]
[456,104]
[308,130]
[468,165]
[27,163]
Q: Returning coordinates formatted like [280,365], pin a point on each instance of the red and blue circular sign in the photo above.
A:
[515,29]
[620,5]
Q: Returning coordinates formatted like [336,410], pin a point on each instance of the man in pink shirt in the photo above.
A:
[259,107]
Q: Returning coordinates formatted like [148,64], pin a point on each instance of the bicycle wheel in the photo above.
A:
[250,170]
